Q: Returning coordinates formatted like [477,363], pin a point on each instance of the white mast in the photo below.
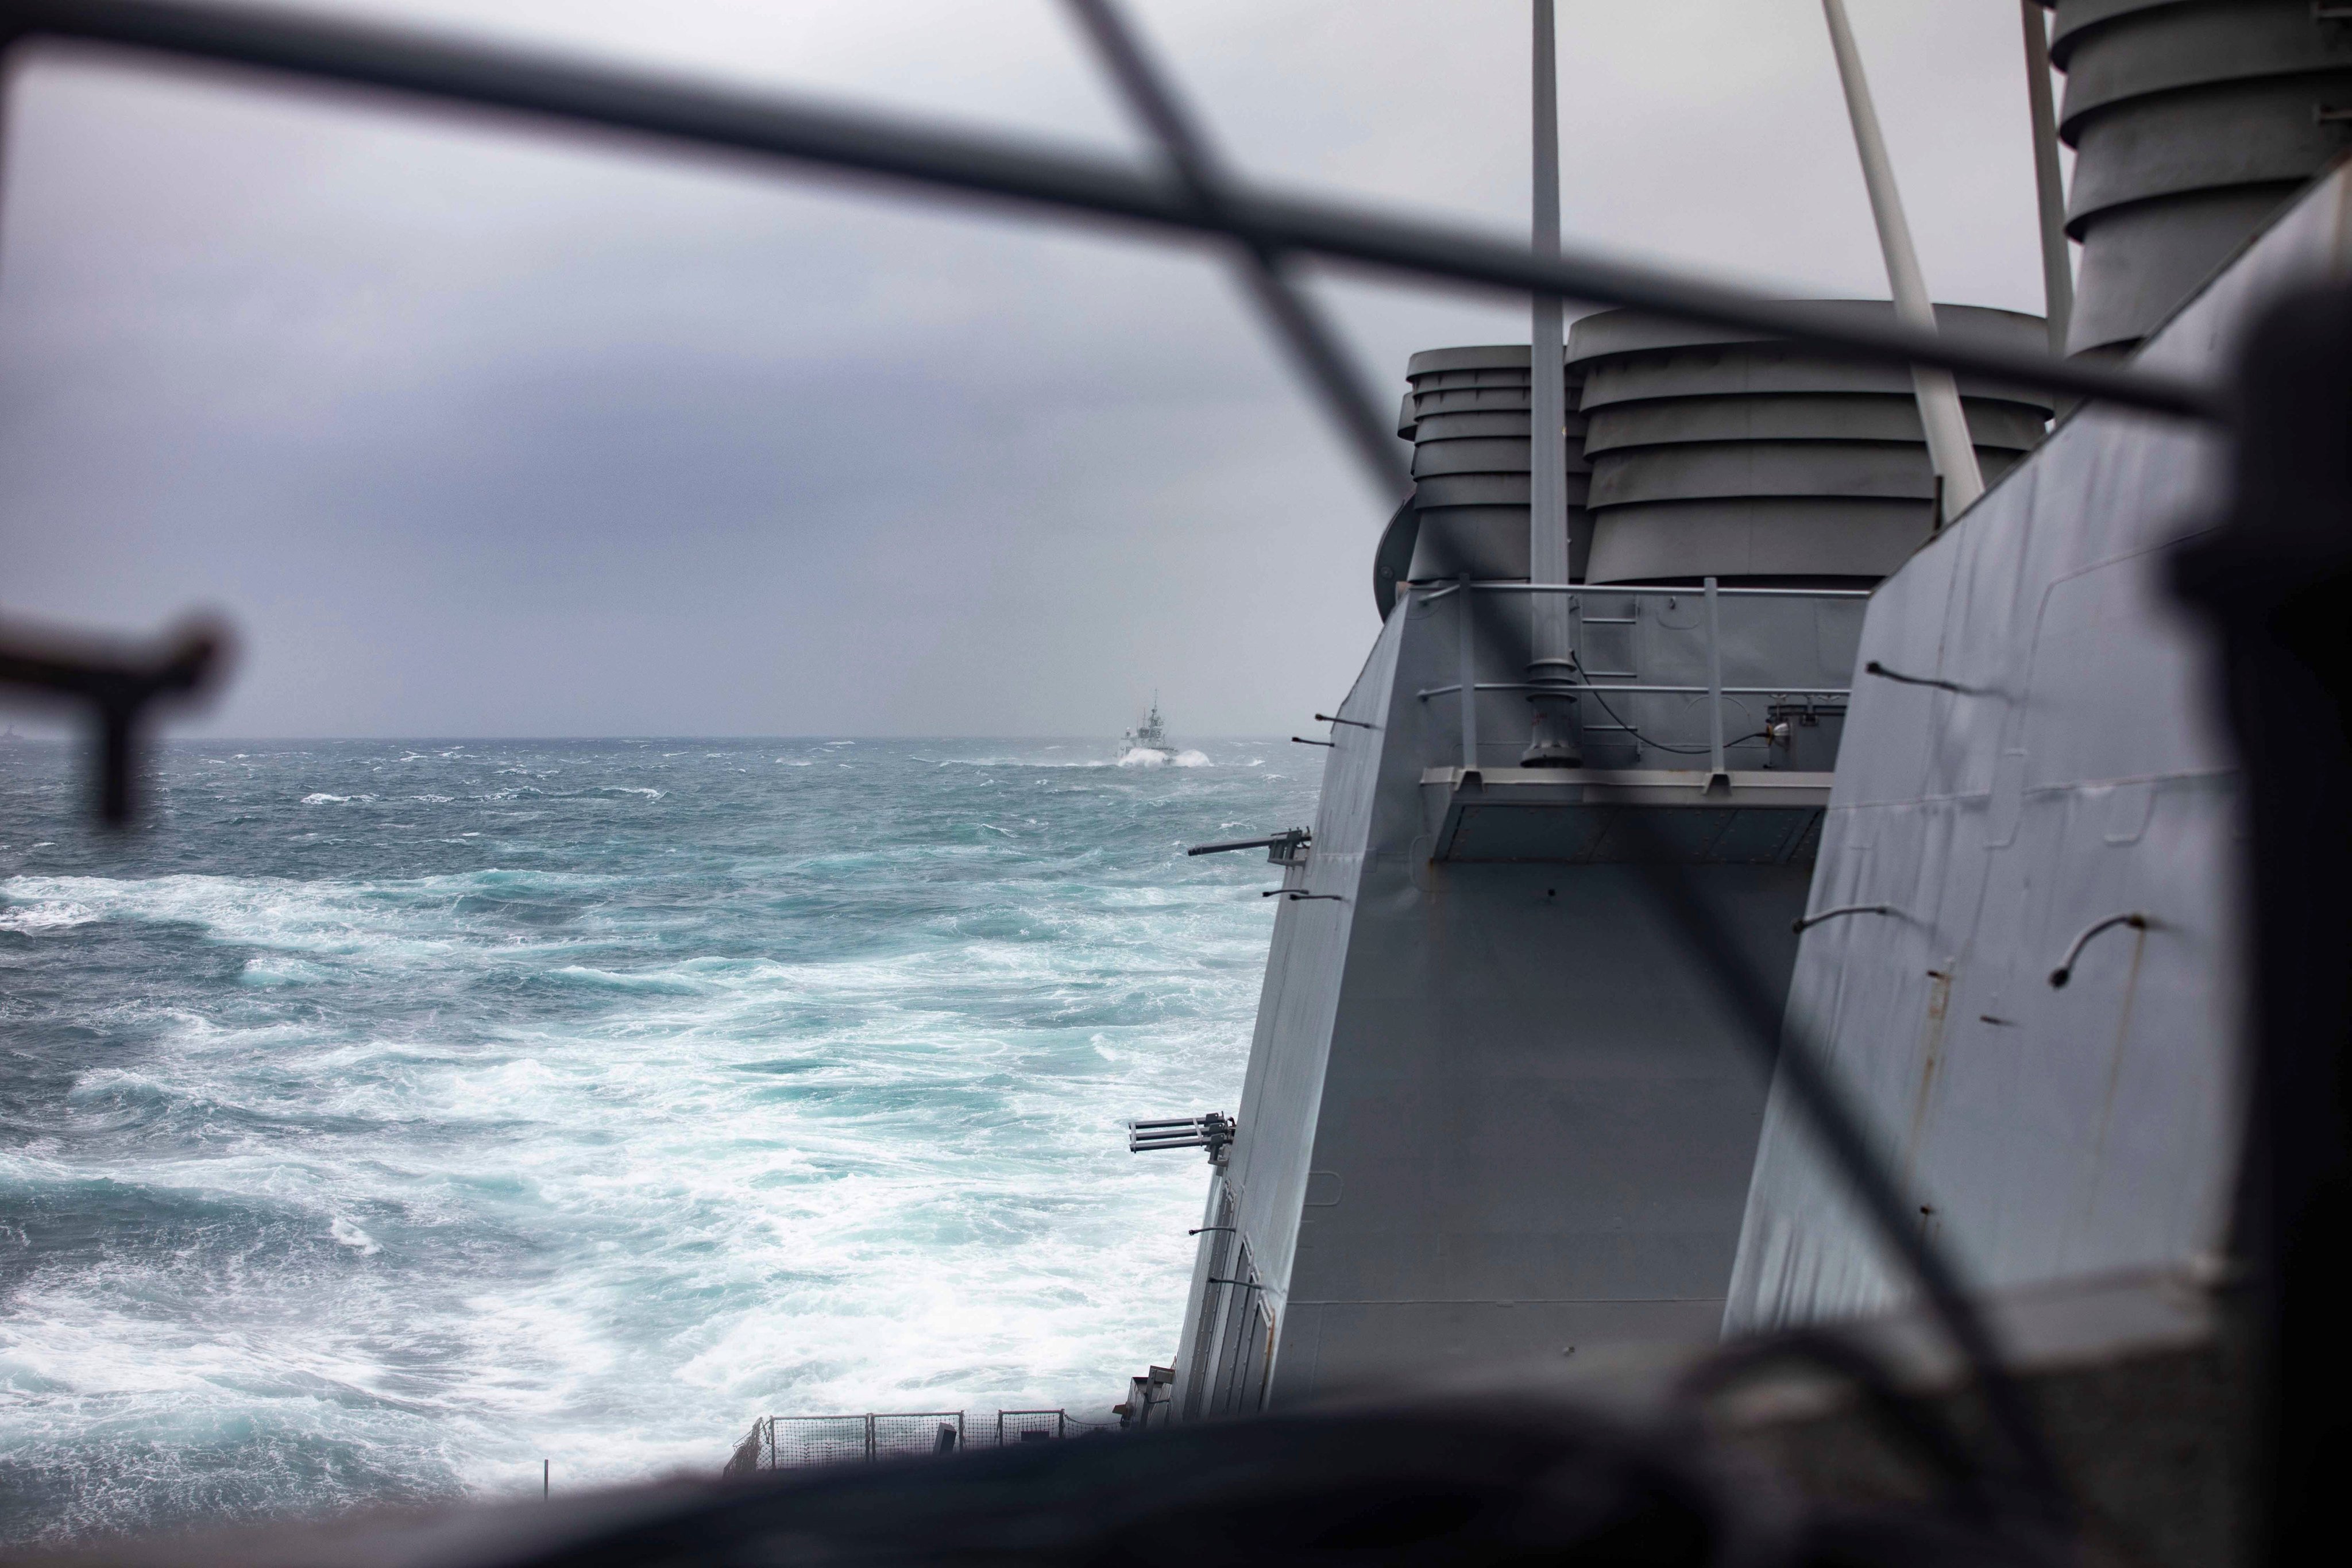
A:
[1948,445]
[2057,269]
[1553,741]
[1546,416]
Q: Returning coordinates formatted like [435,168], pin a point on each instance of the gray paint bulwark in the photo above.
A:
[2045,1132]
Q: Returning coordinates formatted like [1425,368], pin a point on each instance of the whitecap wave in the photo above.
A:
[347,1233]
[277,969]
[1145,757]
[47,915]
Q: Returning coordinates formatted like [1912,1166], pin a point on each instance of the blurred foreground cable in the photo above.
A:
[1305,331]
[2277,577]
[118,686]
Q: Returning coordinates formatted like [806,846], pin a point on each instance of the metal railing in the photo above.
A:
[795,1442]
[1628,682]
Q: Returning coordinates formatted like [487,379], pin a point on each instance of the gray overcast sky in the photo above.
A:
[474,428]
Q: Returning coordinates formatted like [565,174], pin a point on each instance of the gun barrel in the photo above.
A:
[1267,843]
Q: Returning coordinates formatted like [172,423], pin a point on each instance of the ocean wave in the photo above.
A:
[54,915]
[397,1161]
[277,970]
[347,1234]
[583,975]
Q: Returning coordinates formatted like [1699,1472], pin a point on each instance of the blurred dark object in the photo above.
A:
[118,686]
[1859,1447]
[1460,1481]
[2278,578]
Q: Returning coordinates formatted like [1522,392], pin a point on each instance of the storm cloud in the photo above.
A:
[475,427]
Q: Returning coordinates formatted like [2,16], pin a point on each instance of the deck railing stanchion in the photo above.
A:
[1469,677]
[1714,689]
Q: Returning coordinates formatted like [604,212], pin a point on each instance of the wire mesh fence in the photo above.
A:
[796,1440]
[924,1432]
[793,1442]
[1030,1425]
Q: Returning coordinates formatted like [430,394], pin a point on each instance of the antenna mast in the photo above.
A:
[2057,264]
[1950,446]
[1552,743]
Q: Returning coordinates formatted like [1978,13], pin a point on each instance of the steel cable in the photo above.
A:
[1313,343]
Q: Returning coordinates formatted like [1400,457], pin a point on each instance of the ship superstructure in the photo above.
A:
[1492,1107]
[2048,1024]
[1490,1112]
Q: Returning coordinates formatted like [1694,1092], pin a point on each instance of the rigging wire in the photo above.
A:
[1642,740]
[1314,344]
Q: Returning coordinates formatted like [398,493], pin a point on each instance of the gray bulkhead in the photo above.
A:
[2047,1130]
[1491,1109]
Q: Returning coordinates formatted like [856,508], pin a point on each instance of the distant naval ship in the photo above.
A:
[1147,743]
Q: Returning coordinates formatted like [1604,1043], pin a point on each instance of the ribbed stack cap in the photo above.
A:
[1466,416]
[2192,120]
[1714,453]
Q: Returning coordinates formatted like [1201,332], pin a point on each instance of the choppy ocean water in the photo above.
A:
[388,1118]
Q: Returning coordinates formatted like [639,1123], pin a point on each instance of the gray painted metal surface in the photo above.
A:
[1260,1189]
[1467,417]
[2192,120]
[2080,772]
[1551,739]
[1716,453]
[1645,655]
[1491,1108]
